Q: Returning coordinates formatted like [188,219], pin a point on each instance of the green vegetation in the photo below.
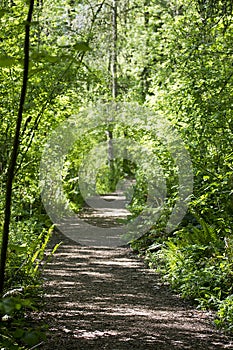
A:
[174,58]
[192,86]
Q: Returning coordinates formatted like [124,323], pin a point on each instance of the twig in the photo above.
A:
[36,346]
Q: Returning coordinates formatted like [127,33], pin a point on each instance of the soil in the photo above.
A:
[106,298]
[98,297]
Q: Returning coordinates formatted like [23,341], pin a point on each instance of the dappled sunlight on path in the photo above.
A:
[105,298]
[99,224]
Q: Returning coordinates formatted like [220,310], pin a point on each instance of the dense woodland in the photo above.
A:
[173,57]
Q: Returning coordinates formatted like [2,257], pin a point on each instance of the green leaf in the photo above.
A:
[7,306]
[44,57]
[6,61]
[2,12]
[31,338]
[82,46]
[18,306]
[18,333]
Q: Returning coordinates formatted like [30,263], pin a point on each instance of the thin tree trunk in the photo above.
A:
[114,50]
[145,73]
[114,91]
[14,154]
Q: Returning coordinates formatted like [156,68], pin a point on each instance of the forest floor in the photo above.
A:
[106,298]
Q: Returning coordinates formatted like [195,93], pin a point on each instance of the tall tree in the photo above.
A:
[114,49]
[113,65]
[14,153]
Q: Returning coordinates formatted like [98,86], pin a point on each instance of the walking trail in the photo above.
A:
[106,298]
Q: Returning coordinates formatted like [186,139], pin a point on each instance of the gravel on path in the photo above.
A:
[105,298]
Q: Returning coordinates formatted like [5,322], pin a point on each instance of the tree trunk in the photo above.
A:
[145,71]
[14,153]
[114,50]
[114,92]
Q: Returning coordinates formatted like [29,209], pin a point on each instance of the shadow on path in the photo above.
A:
[105,298]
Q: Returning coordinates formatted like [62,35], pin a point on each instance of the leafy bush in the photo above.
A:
[197,263]
[26,252]
[15,332]
[28,241]
[225,313]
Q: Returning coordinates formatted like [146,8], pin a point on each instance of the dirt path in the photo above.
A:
[105,298]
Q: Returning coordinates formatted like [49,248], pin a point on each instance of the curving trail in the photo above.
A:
[105,298]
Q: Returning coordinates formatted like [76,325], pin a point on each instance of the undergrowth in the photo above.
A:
[22,293]
[197,262]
